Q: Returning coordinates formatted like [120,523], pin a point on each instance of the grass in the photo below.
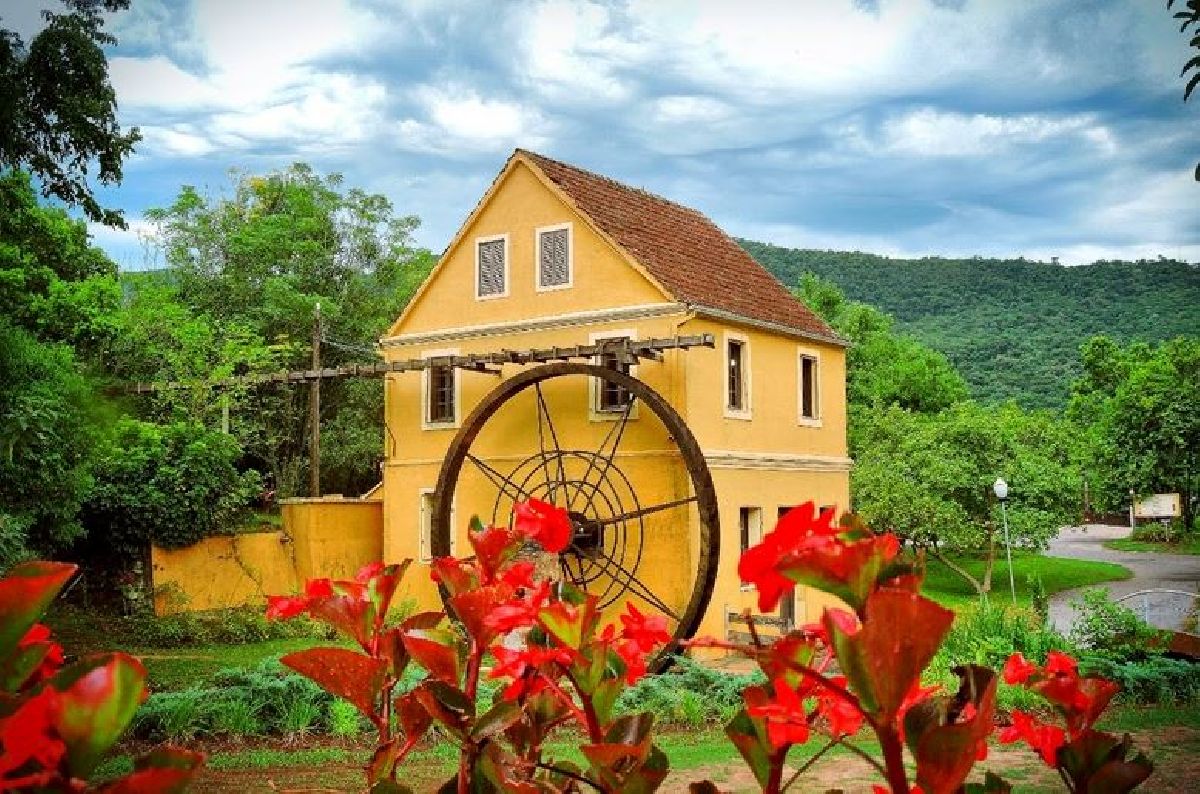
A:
[1056,573]
[1189,546]
[176,669]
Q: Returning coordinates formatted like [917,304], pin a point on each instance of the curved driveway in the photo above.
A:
[1151,570]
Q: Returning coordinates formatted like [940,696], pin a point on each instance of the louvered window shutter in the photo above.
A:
[554,269]
[491,268]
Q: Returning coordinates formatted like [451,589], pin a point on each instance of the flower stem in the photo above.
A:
[893,758]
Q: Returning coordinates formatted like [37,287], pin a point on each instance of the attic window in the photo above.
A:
[491,267]
[554,257]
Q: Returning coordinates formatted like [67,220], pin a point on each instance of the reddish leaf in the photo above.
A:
[446,704]
[343,673]
[945,734]
[422,620]
[354,616]
[414,719]
[166,770]
[884,659]
[98,697]
[24,595]
[436,651]
[381,585]
[749,736]
[472,609]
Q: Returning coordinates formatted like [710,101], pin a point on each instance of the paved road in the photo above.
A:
[1150,570]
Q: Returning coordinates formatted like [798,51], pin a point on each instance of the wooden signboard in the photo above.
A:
[1160,505]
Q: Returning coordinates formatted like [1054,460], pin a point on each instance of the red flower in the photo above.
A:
[27,735]
[843,717]
[786,721]
[1045,739]
[541,521]
[493,547]
[1018,669]
[647,632]
[285,607]
[368,572]
[526,666]
[759,564]
[318,588]
[633,657]
[1058,663]
[519,613]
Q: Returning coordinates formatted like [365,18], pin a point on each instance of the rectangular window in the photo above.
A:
[610,397]
[554,257]
[426,524]
[491,267]
[809,388]
[426,550]
[736,385]
[439,400]
[749,526]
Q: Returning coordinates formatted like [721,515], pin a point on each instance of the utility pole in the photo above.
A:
[314,411]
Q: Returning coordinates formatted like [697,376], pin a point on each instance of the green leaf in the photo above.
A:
[99,696]
[496,719]
[751,741]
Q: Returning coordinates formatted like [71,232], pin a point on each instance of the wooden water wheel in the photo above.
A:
[633,479]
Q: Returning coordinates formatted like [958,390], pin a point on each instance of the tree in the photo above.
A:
[928,477]
[58,297]
[245,273]
[58,110]
[1139,408]
[1190,14]
[171,485]
[883,368]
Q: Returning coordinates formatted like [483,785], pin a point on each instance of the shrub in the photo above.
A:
[689,694]
[344,719]
[1153,680]
[1112,630]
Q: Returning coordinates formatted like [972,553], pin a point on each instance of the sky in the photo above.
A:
[1036,128]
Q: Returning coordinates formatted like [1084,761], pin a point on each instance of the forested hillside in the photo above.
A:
[1012,327]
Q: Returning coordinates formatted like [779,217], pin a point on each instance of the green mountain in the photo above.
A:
[1011,326]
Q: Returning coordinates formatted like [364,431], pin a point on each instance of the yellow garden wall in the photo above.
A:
[331,537]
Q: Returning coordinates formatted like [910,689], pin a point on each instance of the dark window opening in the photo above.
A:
[612,397]
[441,395]
[808,387]
[737,376]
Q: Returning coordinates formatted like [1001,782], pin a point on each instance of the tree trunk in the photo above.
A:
[990,560]
[958,569]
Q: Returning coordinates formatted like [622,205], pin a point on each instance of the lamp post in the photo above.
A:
[1001,489]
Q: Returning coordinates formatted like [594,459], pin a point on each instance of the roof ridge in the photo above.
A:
[610,180]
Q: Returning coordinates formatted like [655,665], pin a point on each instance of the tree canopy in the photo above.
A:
[1011,327]
[58,110]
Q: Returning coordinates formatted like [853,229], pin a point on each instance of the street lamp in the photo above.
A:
[1001,489]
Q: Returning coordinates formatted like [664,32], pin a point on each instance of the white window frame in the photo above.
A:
[425,523]
[594,414]
[537,257]
[425,384]
[747,410]
[507,267]
[756,531]
[808,421]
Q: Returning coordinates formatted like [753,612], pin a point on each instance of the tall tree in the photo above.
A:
[1189,15]
[250,267]
[1140,410]
[58,110]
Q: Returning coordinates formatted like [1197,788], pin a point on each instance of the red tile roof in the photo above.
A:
[684,251]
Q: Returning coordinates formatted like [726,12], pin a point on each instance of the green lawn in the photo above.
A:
[1189,546]
[182,667]
[1057,574]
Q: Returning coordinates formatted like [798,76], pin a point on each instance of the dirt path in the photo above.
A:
[1151,570]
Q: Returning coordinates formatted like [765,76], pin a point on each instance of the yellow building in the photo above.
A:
[555,256]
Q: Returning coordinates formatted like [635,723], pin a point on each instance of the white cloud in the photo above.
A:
[177,140]
[457,119]
[157,84]
[932,133]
